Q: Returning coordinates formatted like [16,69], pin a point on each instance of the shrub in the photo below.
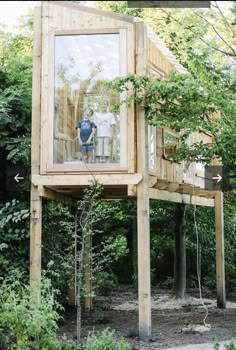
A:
[105,341]
[25,324]
[105,282]
[231,345]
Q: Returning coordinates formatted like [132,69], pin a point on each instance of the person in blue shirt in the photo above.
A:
[86,129]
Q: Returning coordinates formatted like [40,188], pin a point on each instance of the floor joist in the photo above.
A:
[180,198]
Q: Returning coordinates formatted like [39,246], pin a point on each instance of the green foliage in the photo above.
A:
[31,324]
[15,100]
[204,42]
[14,232]
[26,323]
[120,7]
[15,87]
[185,105]
[162,242]
[231,345]
[105,341]
[105,255]
[104,282]
[58,246]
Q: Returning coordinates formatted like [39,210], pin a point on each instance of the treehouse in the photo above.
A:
[77,50]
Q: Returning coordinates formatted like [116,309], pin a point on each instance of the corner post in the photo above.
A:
[144,280]
[35,241]
[36,199]
[220,264]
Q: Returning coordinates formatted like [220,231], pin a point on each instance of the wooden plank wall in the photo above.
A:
[156,57]
[164,169]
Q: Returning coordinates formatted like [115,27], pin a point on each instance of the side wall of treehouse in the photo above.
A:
[160,139]
[159,67]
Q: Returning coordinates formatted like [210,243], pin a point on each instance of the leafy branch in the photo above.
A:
[182,104]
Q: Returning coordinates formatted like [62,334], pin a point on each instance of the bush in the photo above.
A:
[105,341]
[24,323]
[231,345]
[31,325]
[105,282]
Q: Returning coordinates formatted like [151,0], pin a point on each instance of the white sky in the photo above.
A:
[10,11]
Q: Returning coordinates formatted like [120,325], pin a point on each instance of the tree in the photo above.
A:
[204,42]
[180,252]
[15,118]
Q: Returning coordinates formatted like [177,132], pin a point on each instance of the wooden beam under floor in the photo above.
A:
[180,198]
[53,195]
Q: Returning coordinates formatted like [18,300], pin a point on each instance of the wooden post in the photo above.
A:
[36,200]
[35,241]
[36,94]
[144,283]
[220,268]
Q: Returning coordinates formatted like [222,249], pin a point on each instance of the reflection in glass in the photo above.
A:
[151,146]
[170,144]
[85,129]
[152,74]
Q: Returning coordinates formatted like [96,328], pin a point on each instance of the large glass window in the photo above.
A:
[85,128]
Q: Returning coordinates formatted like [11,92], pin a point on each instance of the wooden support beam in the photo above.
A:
[85,180]
[35,241]
[53,195]
[172,187]
[152,180]
[144,281]
[180,198]
[132,191]
[36,93]
[35,199]
[220,268]
[162,184]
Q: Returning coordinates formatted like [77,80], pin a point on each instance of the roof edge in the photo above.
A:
[93,10]
[166,51]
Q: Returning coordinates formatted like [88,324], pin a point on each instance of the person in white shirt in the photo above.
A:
[105,122]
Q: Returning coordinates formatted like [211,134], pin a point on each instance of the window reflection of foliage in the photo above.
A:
[63,72]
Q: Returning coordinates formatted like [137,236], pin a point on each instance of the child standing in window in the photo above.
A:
[86,129]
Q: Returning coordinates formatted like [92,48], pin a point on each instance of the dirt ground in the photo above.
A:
[172,320]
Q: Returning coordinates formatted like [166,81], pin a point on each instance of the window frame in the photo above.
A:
[47,124]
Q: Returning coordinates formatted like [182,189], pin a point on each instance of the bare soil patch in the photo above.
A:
[171,319]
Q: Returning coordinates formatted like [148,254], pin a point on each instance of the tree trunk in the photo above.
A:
[180,252]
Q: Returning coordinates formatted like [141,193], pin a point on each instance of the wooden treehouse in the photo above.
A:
[76,50]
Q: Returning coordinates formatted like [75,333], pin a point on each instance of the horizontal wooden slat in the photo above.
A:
[180,198]
[85,180]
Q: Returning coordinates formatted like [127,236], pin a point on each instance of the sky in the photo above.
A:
[11,10]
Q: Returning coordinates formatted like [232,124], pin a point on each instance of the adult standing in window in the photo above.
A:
[105,122]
